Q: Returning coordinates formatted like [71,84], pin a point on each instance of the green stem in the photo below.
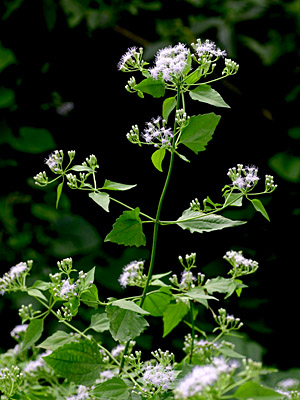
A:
[157,222]
[193,330]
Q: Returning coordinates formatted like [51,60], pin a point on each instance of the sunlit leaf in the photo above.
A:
[206,94]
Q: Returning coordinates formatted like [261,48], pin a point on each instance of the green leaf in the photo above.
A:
[128,230]
[41,285]
[7,57]
[168,106]
[206,94]
[36,293]
[258,205]
[157,158]
[102,199]
[114,388]
[109,185]
[235,199]
[99,322]
[156,303]
[199,131]
[90,276]
[7,97]
[223,285]
[33,140]
[255,391]
[173,315]
[58,339]
[81,168]
[199,295]
[33,333]
[90,297]
[286,165]
[154,87]
[228,352]
[59,192]
[79,362]
[196,221]
[129,305]
[125,324]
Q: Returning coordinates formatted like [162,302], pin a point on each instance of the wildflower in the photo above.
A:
[82,393]
[207,49]
[34,365]
[18,331]
[240,264]
[65,108]
[54,161]
[170,62]
[159,376]
[65,289]
[243,178]
[14,279]
[227,322]
[132,274]
[158,135]
[117,350]
[201,348]
[187,279]
[132,60]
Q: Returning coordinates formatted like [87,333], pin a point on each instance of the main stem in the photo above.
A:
[157,222]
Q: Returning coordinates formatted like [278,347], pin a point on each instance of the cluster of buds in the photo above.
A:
[134,135]
[65,265]
[181,118]
[27,313]
[269,184]
[132,60]
[65,313]
[91,162]
[15,278]
[11,380]
[203,349]
[72,181]
[132,275]
[227,322]
[231,67]
[41,179]
[241,265]
[190,260]
[195,205]
[251,369]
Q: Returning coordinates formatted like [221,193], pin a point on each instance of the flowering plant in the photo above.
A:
[73,363]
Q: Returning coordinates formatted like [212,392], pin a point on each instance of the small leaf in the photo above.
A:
[114,388]
[258,205]
[255,391]
[58,339]
[90,297]
[125,324]
[81,168]
[7,97]
[199,295]
[109,185]
[36,293]
[235,199]
[99,322]
[206,94]
[7,57]
[199,131]
[157,158]
[58,193]
[173,315]
[168,106]
[102,199]
[154,87]
[128,230]
[33,333]
[79,362]
[129,305]
[196,221]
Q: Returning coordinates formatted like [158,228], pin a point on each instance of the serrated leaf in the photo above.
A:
[102,199]
[33,333]
[199,131]
[128,230]
[56,340]
[129,305]
[157,158]
[173,315]
[196,221]
[255,391]
[114,388]
[206,94]
[99,322]
[125,324]
[109,185]
[79,362]
[258,205]
[154,87]
[168,106]
[156,303]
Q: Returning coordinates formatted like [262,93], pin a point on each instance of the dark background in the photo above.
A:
[53,53]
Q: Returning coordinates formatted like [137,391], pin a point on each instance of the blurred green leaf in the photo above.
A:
[286,166]
[33,140]
[255,391]
[33,333]
[7,97]
[114,388]
[7,57]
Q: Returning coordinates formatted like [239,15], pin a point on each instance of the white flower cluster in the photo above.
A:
[132,274]
[243,178]
[65,289]
[170,62]
[34,365]
[156,132]
[203,378]
[227,322]
[82,394]
[207,49]
[19,329]
[159,376]
[131,60]
[14,276]
[241,265]
[289,388]
[201,348]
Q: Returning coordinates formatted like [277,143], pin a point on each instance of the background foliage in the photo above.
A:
[60,88]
